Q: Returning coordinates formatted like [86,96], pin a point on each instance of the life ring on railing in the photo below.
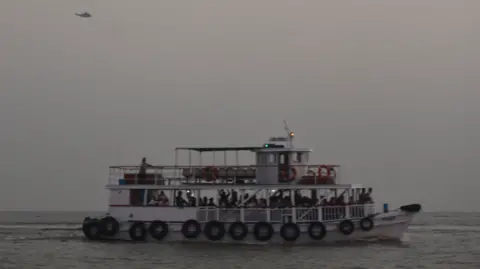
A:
[287,178]
[316,230]
[214,230]
[209,173]
[330,173]
[191,229]
[346,227]
[92,229]
[158,229]
[137,231]
[109,226]
[366,224]
[238,230]
[290,232]
[263,231]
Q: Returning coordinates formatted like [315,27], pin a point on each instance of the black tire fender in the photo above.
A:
[158,234]
[313,227]
[110,226]
[366,224]
[208,230]
[238,226]
[290,226]
[137,231]
[92,229]
[346,227]
[187,233]
[257,231]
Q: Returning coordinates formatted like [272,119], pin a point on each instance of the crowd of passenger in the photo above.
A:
[279,199]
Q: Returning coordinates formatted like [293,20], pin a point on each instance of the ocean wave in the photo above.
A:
[41,238]
[40,222]
[42,227]
[444,228]
[70,226]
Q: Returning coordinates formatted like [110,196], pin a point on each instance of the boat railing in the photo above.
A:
[282,215]
[226,174]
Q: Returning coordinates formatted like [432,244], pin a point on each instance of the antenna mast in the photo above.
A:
[290,135]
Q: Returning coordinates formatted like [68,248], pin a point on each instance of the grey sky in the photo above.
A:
[389,89]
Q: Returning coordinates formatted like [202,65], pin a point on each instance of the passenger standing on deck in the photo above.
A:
[142,173]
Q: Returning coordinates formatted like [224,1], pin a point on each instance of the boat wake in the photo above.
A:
[42,227]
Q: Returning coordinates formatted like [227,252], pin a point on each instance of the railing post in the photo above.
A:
[242,214]
[347,212]
[145,197]
[194,174]
[176,163]
[267,198]
[197,197]
[320,213]
[218,214]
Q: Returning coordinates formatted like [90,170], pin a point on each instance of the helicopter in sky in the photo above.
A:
[84,15]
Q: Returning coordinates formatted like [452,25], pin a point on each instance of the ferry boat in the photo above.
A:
[280,199]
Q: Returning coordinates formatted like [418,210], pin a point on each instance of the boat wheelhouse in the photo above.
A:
[279,199]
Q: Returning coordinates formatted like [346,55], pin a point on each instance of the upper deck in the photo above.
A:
[216,175]
[276,162]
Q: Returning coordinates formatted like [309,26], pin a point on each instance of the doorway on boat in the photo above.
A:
[137,197]
[283,166]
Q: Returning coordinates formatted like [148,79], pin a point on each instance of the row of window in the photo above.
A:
[231,198]
[270,158]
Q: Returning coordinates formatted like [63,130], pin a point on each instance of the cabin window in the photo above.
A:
[299,157]
[206,198]
[158,198]
[263,159]
[184,197]
[294,156]
[271,158]
[282,159]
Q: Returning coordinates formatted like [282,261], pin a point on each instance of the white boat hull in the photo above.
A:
[387,226]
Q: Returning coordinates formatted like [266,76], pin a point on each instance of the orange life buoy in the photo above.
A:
[292,177]
[330,172]
[209,173]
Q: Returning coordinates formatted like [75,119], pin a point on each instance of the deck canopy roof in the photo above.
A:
[211,149]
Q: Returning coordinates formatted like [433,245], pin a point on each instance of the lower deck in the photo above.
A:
[245,215]
[388,226]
